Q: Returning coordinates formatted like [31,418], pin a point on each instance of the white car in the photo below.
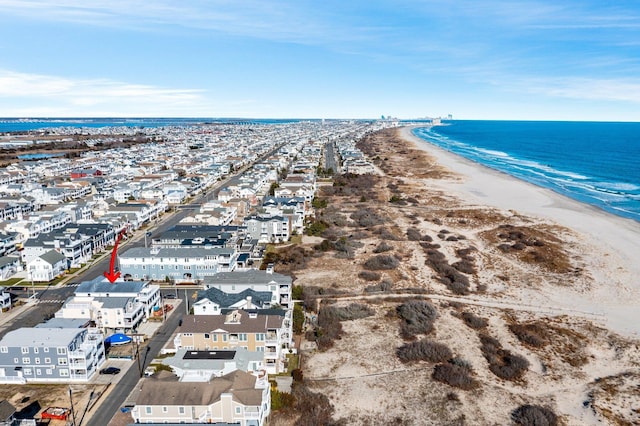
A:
[149,371]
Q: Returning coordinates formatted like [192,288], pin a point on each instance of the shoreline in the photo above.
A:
[613,241]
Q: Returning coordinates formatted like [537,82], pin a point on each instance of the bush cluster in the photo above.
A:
[417,317]
[424,350]
[382,247]
[534,415]
[413,234]
[530,334]
[384,285]
[367,217]
[455,281]
[314,408]
[474,321]
[381,262]
[456,373]
[502,362]
[369,275]
[287,259]
[347,313]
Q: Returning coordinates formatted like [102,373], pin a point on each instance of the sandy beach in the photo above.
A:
[533,298]
[614,241]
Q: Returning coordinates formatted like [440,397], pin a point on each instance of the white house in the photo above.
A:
[47,266]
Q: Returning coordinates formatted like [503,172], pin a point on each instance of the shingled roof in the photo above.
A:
[156,390]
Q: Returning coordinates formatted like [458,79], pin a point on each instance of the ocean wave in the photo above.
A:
[620,186]
[492,152]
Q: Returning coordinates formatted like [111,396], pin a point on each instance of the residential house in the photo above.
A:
[53,355]
[143,293]
[9,266]
[267,330]
[212,301]
[7,414]
[178,264]
[109,314]
[235,282]
[272,229]
[204,366]
[237,398]
[47,266]
[199,235]
[76,247]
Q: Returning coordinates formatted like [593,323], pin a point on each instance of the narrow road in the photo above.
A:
[117,397]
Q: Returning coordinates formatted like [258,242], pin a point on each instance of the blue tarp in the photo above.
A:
[117,339]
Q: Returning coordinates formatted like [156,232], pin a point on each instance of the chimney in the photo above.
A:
[248,302]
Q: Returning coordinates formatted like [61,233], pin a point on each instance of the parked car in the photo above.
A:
[149,371]
[110,370]
[170,296]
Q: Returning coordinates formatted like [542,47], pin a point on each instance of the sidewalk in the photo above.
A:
[8,316]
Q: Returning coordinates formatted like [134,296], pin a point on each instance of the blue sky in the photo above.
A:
[564,60]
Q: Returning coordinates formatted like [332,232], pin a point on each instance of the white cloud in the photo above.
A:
[617,90]
[95,96]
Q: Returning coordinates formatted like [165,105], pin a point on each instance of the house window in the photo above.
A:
[260,337]
[180,410]
[36,350]
[165,409]
[238,410]
[242,337]
[25,350]
[47,360]
[27,371]
[49,371]
[38,372]
[206,336]
[4,349]
[62,361]
[215,337]
[37,361]
[64,372]
[62,351]
[147,410]
[46,349]
[16,361]
[224,337]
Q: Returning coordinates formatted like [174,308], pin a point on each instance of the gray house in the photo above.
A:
[50,355]
[235,282]
[179,264]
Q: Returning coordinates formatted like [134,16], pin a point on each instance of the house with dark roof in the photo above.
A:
[7,413]
[212,300]
[237,398]
[235,282]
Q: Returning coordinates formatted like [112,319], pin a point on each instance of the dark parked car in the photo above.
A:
[110,370]
[170,296]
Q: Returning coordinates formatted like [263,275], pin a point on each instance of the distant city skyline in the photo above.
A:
[493,59]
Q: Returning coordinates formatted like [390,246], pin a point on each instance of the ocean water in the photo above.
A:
[593,162]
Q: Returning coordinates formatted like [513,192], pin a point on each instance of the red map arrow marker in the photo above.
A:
[110,274]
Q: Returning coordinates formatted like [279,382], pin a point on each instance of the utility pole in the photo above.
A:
[73,412]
